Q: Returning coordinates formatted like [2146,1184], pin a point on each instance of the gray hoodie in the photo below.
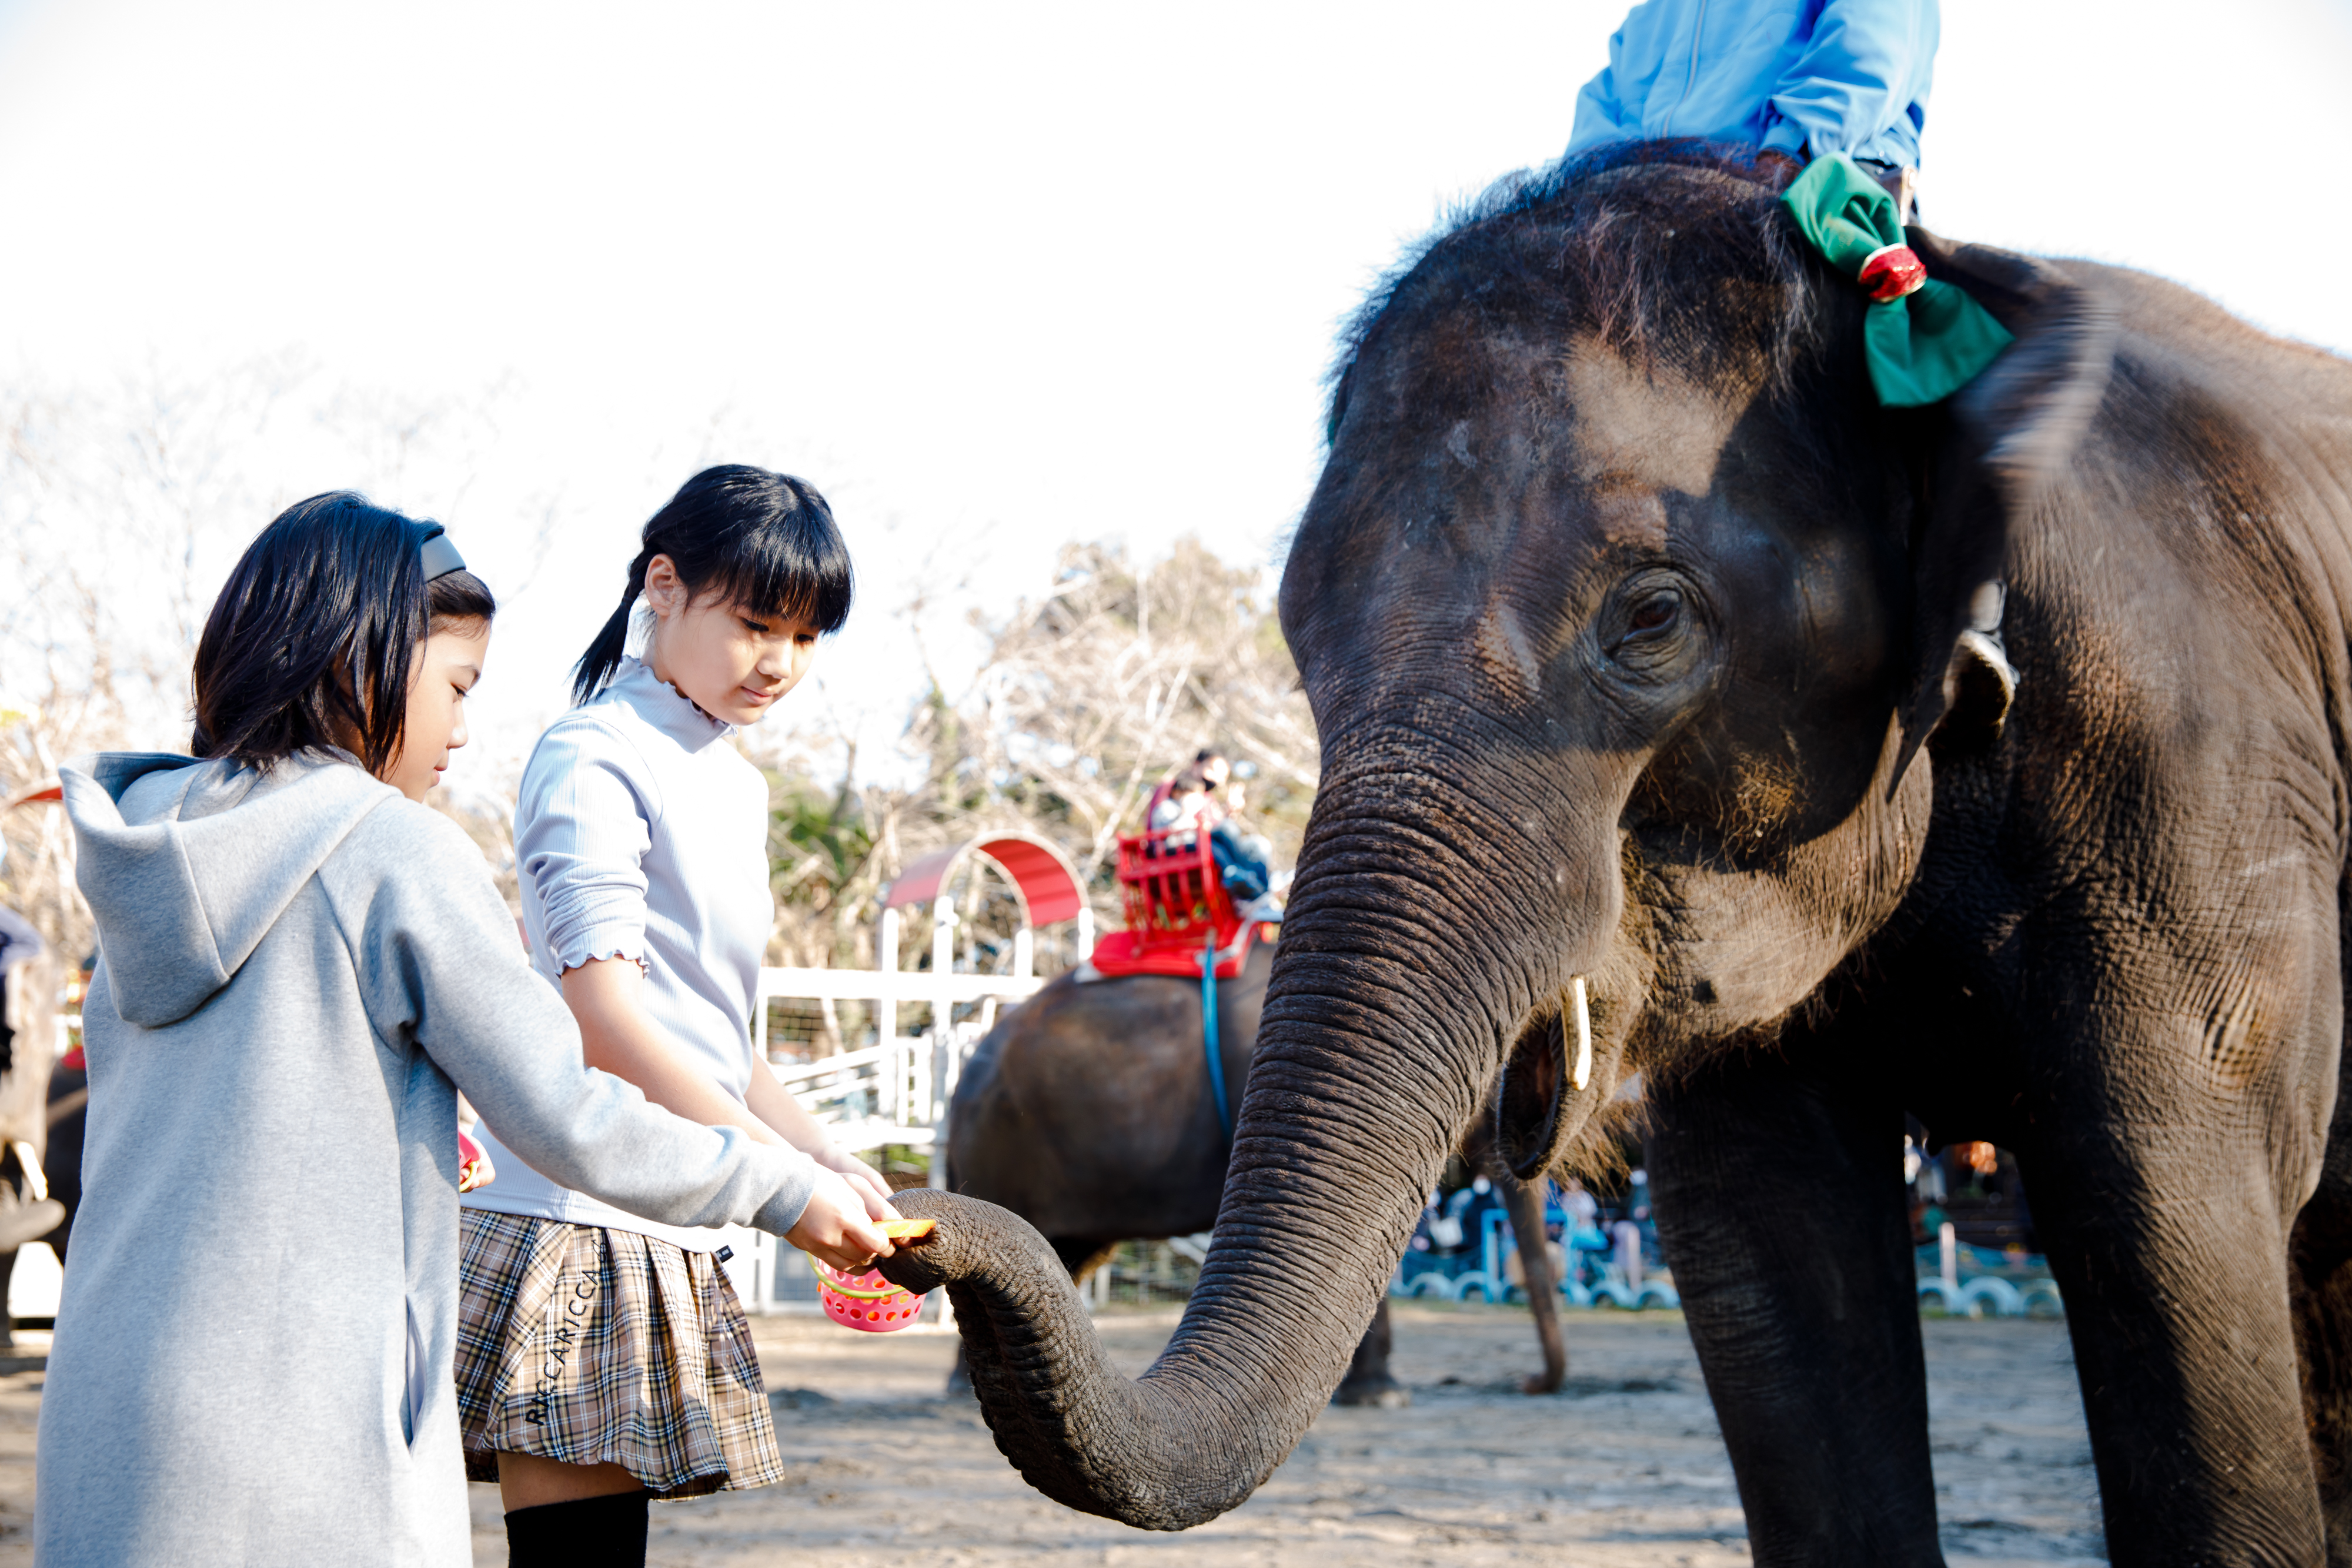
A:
[300,970]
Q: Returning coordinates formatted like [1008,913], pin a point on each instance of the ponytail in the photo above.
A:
[766,541]
[603,655]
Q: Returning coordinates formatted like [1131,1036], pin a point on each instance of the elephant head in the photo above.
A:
[1625,610]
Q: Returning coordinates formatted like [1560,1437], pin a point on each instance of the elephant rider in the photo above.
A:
[1189,799]
[1797,79]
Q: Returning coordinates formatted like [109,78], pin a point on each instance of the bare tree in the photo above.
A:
[122,507]
[1090,695]
[1087,698]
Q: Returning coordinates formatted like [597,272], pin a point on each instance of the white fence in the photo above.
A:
[894,1092]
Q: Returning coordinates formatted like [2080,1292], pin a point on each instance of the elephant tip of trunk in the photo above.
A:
[964,1234]
[1075,1426]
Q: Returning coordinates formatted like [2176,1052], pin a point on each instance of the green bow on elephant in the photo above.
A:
[1929,340]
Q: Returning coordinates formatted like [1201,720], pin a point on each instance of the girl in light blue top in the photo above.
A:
[604,1357]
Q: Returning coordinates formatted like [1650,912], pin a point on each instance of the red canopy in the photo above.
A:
[46,790]
[1048,882]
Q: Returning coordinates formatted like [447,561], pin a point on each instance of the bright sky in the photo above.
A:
[992,277]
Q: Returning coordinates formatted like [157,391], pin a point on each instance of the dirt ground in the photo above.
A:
[1623,1469]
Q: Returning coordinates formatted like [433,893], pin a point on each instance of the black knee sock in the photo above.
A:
[586,1532]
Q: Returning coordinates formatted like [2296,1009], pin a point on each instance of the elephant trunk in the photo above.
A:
[1408,963]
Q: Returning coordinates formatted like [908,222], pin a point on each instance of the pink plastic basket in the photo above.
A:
[866,1302]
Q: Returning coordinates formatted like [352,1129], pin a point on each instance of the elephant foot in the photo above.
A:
[1382,1392]
[1543,1382]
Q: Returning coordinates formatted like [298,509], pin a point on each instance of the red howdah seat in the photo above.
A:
[1177,909]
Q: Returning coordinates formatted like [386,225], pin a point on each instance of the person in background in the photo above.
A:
[1583,1211]
[1181,801]
[1637,1228]
[1796,79]
[69,1118]
[1586,1242]
[19,945]
[1929,1183]
[1200,795]
[68,1113]
[1434,1232]
[1467,1208]
[29,1211]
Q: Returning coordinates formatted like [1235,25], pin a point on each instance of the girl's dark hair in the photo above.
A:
[765,541]
[309,644]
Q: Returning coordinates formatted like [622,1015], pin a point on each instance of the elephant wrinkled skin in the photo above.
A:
[1088,1111]
[1646,647]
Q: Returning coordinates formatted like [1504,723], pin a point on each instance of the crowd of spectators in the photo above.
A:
[1974,1186]
[1596,1232]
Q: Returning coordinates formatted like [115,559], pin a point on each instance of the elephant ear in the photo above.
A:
[2005,435]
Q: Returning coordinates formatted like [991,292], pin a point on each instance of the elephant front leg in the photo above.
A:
[1779,1202]
[2320,1284]
[2168,1244]
[2320,1288]
[1369,1380]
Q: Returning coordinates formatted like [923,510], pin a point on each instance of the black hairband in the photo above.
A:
[439,556]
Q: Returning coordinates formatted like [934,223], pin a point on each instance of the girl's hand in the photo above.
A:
[862,1179]
[835,1226]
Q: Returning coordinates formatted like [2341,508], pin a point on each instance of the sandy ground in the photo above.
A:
[1623,1469]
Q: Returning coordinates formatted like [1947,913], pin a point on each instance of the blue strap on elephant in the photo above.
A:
[1209,1036]
[1924,339]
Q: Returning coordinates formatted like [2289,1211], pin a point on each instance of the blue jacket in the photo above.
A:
[1805,78]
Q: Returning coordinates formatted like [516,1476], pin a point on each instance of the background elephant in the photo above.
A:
[1087,1110]
[1985,760]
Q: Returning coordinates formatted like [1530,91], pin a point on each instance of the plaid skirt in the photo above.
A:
[594,1346]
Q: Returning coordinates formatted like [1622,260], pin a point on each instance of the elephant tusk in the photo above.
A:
[1583,1074]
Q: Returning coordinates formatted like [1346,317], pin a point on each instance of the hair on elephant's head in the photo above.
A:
[1625,611]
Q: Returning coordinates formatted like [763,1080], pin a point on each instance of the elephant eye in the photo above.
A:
[1652,613]
[1646,629]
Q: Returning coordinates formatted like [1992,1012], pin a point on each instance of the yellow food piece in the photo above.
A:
[909,1229]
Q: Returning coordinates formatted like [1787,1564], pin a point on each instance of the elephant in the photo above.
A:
[1687,711]
[1087,1110]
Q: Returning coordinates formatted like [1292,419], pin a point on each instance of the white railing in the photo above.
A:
[895,1090]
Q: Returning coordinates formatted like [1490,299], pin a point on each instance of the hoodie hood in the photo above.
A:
[187,862]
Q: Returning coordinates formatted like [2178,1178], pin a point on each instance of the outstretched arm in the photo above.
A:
[616,1036]
[773,1103]
[433,953]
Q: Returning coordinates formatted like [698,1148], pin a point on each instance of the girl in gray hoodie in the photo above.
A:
[303,966]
